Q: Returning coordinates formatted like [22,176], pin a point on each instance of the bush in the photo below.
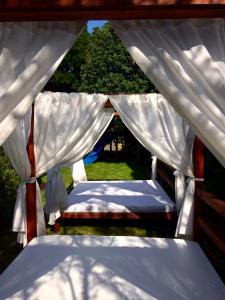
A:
[9,183]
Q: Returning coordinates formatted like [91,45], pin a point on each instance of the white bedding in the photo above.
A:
[119,196]
[110,268]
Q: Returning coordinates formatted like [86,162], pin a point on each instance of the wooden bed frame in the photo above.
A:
[145,216]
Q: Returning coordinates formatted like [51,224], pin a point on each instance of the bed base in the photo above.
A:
[156,216]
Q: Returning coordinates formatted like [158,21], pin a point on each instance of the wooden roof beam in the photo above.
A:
[31,10]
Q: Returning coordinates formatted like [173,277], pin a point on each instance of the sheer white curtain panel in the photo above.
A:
[185,60]
[30,52]
[78,172]
[67,126]
[161,130]
[15,148]
[56,194]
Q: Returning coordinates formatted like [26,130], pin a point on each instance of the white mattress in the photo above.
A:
[119,196]
[110,268]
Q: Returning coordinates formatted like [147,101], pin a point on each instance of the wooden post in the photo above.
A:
[31,187]
[198,166]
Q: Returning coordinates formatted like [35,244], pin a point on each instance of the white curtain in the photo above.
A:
[185,59]
[158,127]
[56,194]
[154,167]
[30,52]
[67,126]
[63,123]
[78,172]
[15,148]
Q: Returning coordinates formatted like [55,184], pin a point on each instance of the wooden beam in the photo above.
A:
[213,234]
[120,215]
[31,10]
[31,187]
[198,161]
[211,200]
[198,166]
[108,104]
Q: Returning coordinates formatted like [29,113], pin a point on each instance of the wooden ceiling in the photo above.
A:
[26,10]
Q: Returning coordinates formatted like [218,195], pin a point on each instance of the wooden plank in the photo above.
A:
[169,182]
[198,161]
[218,205]
[214,236]
[31,10]
[198,166]
[120,216]
[108,104]
[31,187]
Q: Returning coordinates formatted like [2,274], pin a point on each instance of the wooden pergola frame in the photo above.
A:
[198,161]
[31,10]
[55,10]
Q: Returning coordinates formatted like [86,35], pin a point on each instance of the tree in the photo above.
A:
[67,76]
[109,68]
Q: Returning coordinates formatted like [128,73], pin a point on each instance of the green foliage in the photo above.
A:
[99,63]
[9,183]
[67,77]
[109,68]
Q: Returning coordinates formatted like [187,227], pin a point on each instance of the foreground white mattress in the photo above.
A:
[119,196]
[110,268]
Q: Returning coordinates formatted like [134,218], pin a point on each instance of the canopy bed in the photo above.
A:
[180,58]
[154,123]
[143,200]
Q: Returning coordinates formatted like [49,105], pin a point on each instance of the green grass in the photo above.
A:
[115,171]
[102,230]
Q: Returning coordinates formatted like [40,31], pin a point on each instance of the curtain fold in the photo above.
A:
[63,123]
[154,167]
[67,126]
[78,172]
[15,148]
[161,130]
[185,60]
[56,194]
[158,127]
[30,52]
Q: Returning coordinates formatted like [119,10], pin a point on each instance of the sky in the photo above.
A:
[92,24]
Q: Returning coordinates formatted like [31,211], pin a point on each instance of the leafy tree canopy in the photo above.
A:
[109,68]
[99,62]
[67,77]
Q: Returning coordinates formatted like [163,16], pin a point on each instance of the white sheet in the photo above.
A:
[119,196]
[110,268]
